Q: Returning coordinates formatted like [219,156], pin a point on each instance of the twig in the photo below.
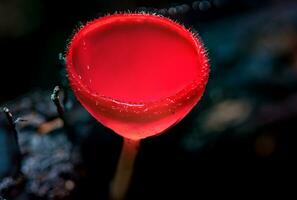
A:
[12,128]
[56,99]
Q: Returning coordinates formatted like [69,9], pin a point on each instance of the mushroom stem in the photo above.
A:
[122,178]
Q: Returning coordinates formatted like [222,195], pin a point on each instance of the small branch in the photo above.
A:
[9,118]
[56,99]
[12,128]
[11,125]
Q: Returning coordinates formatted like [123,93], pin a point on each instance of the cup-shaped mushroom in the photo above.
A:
[138,74]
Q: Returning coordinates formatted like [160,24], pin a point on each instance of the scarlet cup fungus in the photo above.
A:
[138,74]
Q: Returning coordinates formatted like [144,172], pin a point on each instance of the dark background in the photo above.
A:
[239,140]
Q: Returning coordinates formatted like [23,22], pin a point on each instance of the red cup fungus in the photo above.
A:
[138,74]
